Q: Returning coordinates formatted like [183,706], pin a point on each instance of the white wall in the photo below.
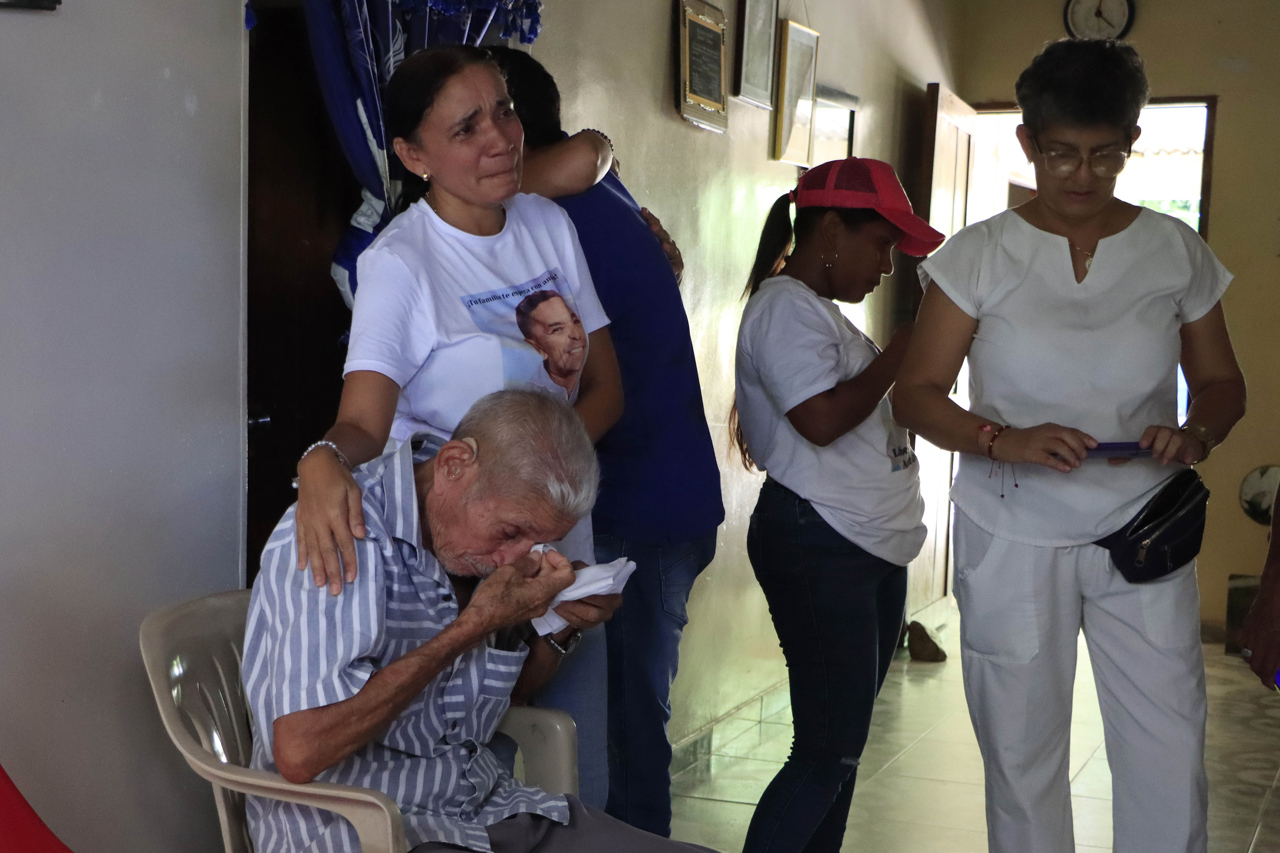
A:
[121,349]
[614,63]
[121,404]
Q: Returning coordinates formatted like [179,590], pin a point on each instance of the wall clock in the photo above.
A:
[1098,19]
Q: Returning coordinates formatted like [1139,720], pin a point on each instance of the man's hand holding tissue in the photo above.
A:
[586,613]
[581,615]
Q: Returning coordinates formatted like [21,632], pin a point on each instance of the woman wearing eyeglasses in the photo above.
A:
[1075,311]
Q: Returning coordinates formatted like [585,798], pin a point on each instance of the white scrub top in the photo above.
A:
[1099,355]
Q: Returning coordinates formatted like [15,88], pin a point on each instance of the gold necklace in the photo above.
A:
[1088,256]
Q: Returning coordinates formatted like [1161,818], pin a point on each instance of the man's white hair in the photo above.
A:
[532,444]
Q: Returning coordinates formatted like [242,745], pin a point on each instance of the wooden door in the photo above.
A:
[301,194]
[943,200]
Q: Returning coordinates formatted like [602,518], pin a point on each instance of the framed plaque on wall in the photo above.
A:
[702,80]
[757,27]
[795,94]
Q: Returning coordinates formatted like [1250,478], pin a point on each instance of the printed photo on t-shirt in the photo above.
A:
[544,344]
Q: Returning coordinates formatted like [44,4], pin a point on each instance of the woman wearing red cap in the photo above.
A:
[839,516]
[1075,311]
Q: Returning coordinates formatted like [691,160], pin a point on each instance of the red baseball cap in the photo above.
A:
[857,182]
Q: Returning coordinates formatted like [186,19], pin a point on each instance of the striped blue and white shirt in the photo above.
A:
[305,649]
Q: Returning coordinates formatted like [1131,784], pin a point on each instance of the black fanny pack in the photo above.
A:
[1165,534]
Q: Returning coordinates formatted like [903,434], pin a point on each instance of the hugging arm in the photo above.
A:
[568,167]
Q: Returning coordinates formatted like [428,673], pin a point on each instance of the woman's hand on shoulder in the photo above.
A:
[329,518]
[1051,445]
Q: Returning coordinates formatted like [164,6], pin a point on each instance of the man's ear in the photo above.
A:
[458,460]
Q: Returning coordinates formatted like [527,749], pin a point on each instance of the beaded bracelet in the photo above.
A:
[991,454]
[605,136]
[342,457]
[991,445]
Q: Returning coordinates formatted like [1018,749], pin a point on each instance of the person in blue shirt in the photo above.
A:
[659,501]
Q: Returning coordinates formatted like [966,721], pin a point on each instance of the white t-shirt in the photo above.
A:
[436,309]
[793,344]
[1099,355]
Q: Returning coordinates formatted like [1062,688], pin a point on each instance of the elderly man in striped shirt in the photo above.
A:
[399,682]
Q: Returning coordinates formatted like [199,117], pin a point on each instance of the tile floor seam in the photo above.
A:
[901,811]
[907,748]
[1085,763]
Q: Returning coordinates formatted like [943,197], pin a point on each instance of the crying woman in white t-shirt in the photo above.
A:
[435,327]
[840,514]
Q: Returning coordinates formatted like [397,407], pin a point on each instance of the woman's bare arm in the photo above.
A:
[568,167]
[600,390]
[824,417]
[921,400]
[329,514]
[1216,390]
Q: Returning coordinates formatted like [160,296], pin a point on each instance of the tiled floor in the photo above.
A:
[920,780]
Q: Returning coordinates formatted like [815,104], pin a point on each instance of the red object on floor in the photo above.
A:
[21,829]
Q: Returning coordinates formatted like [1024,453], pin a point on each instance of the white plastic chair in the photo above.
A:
[192,652]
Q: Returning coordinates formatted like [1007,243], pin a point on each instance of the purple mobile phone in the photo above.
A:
[1118,450]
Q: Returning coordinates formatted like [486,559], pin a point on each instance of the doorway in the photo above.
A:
[301,193]
[971,169]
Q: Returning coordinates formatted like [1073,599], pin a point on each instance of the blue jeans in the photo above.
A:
[644,649]
[838,613]
[578,688]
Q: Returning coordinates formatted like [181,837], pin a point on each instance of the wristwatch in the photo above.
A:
[570,643]
[1202,435]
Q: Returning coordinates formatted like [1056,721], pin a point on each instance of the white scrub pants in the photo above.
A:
[1021,610]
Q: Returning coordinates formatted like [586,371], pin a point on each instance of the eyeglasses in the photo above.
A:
[1064,164]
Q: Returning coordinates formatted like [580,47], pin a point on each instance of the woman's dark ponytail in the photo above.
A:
[775,241]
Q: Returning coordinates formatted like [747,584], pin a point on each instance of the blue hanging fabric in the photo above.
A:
[356,45]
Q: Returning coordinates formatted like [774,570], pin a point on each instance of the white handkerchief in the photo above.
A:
[605,579]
